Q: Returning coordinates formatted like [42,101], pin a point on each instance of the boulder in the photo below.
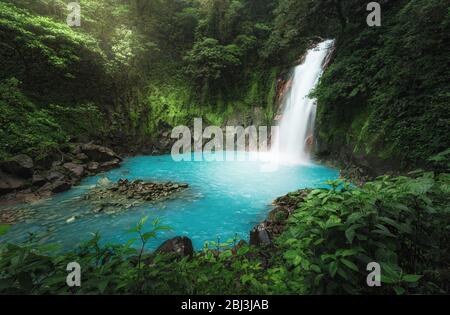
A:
[93,166]
[45,190]
[76,170]
[106,166]
[99,153]
[20,165]
[180,245]
[60,186]
[38,180]
[10,183]
[82,157]
[54,175]
[259,235]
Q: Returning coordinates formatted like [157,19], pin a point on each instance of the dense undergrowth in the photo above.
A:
[385,94]
[402,223]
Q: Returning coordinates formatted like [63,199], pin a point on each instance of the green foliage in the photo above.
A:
[23,127]
[399,222]
[209,61]
[123,269]
[53,61]
[83,122]
[385,94]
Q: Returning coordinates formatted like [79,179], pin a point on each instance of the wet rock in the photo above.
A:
[106,166]
[263,233]
[180,245]
[278,215]
[99,153]
[38,180]
[54,175]
[60,186]
[10,183]
[82,157]
[76,170]
[113,197]
[259,235]
[45,189]
[93,166]
[20,165]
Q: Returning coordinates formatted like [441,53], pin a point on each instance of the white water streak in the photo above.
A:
[293,141]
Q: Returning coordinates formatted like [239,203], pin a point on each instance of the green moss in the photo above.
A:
[384,94]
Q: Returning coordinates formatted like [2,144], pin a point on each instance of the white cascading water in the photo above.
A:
[297,122]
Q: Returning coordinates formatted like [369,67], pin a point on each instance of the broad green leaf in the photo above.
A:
[332,268]
[350,234]
[399,290]
[148,235]
[411,278]
[349,264]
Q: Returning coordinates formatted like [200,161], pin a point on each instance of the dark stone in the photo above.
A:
[76,149]
[46,189]
[106,166]
[76,170]
[38,180]
[60,186]
[93,166]
[99,153]
[10,183]
[180,245]
[55,175]
[20,165]
[82,157]
[259,235]
[278,215]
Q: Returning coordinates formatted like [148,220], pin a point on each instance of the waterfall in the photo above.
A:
[294,138]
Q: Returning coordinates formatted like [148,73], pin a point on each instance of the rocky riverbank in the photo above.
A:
[276,221]
[262,235]
[23,180]
[114,197]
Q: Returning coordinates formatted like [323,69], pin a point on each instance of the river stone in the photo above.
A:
[60,186]
[180,245]
[75,169]
[93,166]
[10,183]
[55,175]
[38,180]
[106,166]
[259,235]
[82,157]
[99,153]
[20,165]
